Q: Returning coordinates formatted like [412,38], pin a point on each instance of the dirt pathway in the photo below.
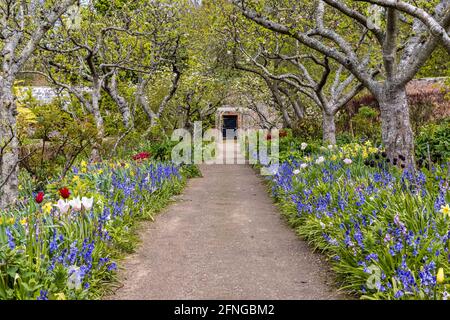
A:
[224,239]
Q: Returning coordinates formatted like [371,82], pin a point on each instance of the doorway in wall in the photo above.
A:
[230,126]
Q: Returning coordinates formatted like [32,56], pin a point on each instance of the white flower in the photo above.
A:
[304,165]
[330,146]
[304,146]
[75,204]
[348,161]
[74,280]
[320,160]
[322,225]
[63,206]
[296,172]
[87,203]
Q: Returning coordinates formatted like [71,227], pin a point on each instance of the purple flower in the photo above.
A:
[112,266]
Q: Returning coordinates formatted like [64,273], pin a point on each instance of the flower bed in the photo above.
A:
[386,230]
[63,244]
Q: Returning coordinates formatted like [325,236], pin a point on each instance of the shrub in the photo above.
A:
[53,140]
[436,138]
[366,124]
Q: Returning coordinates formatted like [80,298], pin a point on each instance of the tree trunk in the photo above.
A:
[112,90]
[141,98]
[398,137]
[287,119]
[95,155]
[10,144]
[299,108]
[329,128]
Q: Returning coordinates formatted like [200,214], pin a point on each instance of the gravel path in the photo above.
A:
[224,239]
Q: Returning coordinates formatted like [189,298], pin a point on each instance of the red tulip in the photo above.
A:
[40,197]
[64,192]
[269,137]
[141,156]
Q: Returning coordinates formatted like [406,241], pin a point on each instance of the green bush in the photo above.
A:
[436,137]
[366,124]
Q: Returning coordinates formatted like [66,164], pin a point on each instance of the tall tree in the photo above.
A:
[404,46]
[23,25]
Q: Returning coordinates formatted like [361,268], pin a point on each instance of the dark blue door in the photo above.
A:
[230,127]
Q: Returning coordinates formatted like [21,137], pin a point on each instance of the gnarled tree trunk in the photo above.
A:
[111,88]
[329,128]
[9,145]
[286,118]
[397,134]
[95,154]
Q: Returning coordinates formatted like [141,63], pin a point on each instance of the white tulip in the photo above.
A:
[87,203]
[320,160]
[75,204]
[304,165]
[63,206]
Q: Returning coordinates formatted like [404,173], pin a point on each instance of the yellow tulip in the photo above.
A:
[23,221]
[440,276]
[11,220]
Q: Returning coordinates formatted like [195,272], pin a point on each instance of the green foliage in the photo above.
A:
[436,139]
[53,140]
[366,124]
[308,128]
[162,151]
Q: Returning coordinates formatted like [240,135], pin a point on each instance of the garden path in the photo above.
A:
[224,239]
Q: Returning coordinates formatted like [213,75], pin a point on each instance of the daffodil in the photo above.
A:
[60,296]
[47,208]
[23,221]
[445,210]
[440,277]
[11,220]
